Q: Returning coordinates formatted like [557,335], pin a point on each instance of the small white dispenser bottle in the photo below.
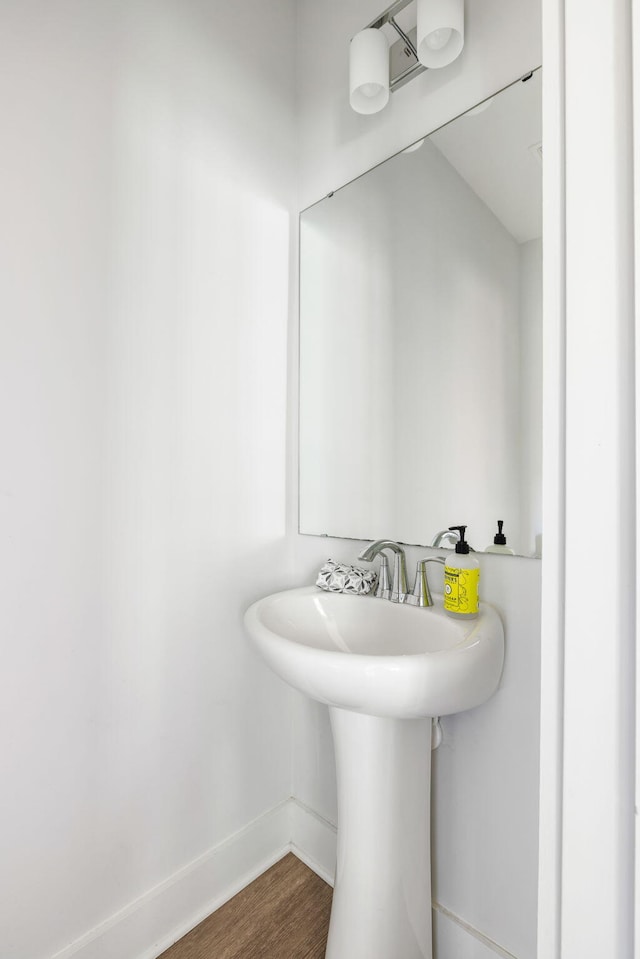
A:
[500,542]
[461,576]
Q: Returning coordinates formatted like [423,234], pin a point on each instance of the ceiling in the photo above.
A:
[498,152]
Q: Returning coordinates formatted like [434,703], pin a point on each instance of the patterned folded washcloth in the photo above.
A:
[339,578]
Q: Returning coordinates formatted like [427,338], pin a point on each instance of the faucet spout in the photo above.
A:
[446,539]
[399,583]
[370,552]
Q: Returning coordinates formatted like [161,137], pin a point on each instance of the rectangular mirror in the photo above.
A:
[421,337]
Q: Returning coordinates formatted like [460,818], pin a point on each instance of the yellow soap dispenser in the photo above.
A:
[461,576]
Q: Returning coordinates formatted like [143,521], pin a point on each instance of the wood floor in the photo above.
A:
[284,914]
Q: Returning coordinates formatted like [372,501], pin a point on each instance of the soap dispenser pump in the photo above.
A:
[500,542]
[461,576]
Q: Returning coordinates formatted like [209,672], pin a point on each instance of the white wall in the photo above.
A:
[486,775]
[590,477]
[145,200]
[145,495]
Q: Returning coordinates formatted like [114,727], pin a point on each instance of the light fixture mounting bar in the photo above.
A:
[403,36]
[388,14]
[403,61]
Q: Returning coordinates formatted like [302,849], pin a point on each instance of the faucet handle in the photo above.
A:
[400,589]
[421,595]
[383,589]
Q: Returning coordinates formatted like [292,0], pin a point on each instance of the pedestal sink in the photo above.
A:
[384,670]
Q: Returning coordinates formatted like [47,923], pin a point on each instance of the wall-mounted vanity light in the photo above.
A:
[430,35]
[369,71]
[440,31]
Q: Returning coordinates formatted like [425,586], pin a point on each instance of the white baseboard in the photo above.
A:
[150,924]
[313,840]
[454,938]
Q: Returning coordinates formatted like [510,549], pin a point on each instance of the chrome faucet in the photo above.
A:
[421,595]
[394,590]
[446,539]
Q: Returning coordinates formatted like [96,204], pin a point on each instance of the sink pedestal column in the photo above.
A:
[382,897]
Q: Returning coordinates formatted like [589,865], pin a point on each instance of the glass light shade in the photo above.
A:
[440,32]
[369,71]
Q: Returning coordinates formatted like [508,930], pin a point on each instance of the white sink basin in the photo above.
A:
[372,656]
[383,670]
